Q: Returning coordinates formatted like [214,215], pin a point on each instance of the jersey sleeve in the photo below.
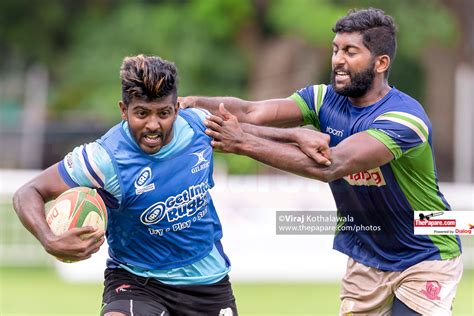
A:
[400,132]
[90,165]
[309,100]
[202,113]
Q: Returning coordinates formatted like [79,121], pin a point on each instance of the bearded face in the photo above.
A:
[352,83]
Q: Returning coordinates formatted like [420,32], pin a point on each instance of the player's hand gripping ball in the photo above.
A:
[77,207]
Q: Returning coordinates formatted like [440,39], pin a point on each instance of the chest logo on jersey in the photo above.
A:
[335,132]
[372,177]
[201,163]
[184,204]
[142,182]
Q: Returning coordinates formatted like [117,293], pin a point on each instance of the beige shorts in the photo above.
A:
[428,288]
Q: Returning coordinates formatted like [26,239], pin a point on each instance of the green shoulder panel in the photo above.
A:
[311,117]
[387,141]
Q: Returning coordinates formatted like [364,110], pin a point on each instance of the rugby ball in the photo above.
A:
[77,207]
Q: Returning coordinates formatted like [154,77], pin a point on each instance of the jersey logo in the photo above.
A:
[183,209]
[122,288]
[372,177]
[202,163]
[142,182]
[335,132]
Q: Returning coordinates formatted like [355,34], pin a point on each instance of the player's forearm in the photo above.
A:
[287,157]
[29,206]
[238,107]
[284,135]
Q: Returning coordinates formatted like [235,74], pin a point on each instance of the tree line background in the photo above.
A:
[252,49]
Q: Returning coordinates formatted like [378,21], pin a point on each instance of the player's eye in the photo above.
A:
[351,53]
[164,113]
[141,114]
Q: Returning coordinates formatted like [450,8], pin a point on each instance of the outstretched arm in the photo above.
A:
[273,112]
[359,152]
[314,144]
[29,202]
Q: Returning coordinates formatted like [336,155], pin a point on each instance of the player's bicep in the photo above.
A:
[275,112]
[359,152]
[49,183]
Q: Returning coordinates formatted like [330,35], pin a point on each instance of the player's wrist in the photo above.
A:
[187,102]
[245,144]
[48,240]
[293,135]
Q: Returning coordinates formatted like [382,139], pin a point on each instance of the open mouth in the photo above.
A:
[341,75]
[152,140]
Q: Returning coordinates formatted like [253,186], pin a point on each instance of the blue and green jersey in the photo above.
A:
[382,200]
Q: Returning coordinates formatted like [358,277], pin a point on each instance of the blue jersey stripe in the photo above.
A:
[90,169]
[65,175]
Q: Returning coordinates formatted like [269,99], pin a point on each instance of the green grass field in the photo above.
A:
[28,291]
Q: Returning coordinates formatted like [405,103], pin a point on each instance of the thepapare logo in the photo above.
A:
[334,131]
[202,163]
[372,177]
[186,203]
[142,180]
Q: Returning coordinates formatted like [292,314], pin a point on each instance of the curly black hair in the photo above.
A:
[377,28]
[147,78]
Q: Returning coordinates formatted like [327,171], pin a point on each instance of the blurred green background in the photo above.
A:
[253,49]
[247,48]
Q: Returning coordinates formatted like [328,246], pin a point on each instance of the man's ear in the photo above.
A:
[176,108]
[382,64]
[123,110]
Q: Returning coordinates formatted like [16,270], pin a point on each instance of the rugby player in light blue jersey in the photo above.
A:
[153,170]
[379,165]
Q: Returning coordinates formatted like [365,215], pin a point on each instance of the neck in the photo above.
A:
[373,95]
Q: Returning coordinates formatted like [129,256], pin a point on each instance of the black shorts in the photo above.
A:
[133,295]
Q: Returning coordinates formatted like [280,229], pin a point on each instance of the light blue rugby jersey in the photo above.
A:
[73,169]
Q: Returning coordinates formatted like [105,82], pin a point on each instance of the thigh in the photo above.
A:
[201,300]
[429,287]
[366,290]
[130,295]
[401,309]
[133,307]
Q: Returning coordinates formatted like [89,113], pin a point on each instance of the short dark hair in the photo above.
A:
[147,78]
[377,28]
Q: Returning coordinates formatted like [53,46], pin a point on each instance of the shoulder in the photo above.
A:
[112,132]
[406,103]
[316,96]
[405,110]
[201,113]
[330,96]
[194,118]
[91,151]
[88,165]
